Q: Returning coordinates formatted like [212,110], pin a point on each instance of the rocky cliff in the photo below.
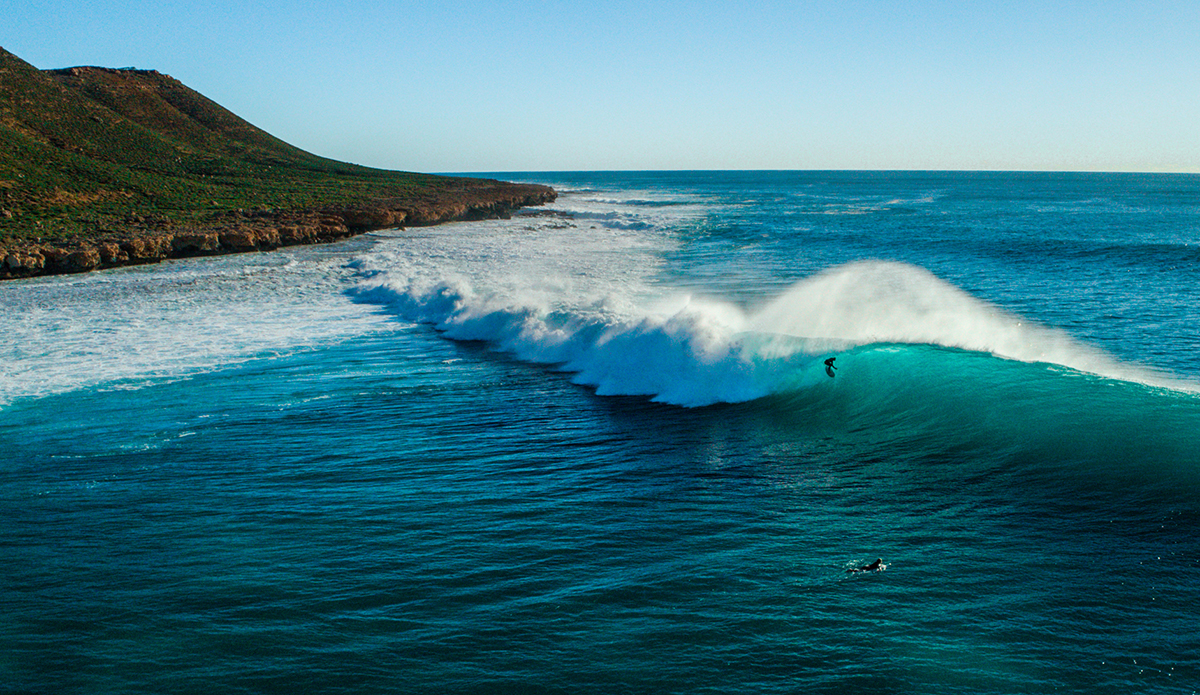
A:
[239,231]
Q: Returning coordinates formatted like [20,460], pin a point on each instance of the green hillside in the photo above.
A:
[91,150]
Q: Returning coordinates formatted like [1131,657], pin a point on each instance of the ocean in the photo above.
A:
[595,448]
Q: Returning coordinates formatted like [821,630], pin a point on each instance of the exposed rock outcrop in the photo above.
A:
[264,230]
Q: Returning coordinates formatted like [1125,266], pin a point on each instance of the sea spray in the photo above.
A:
[887,302]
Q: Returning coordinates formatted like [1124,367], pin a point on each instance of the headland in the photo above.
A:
[104,167]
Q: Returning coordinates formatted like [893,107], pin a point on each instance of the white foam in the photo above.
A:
[689,356]
[128,327]
[573,295]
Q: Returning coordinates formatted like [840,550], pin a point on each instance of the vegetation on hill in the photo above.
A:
[101,153]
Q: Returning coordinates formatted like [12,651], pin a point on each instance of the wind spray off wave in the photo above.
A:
[887,302]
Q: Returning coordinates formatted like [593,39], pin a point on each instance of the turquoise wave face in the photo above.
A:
[932,398]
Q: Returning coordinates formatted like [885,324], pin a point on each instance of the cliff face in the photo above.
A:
[102,167]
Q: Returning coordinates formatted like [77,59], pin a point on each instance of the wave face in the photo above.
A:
[917,359]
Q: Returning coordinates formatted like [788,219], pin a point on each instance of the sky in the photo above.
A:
[543,85]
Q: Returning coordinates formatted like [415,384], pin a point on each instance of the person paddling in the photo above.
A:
[873,567]
[829,366]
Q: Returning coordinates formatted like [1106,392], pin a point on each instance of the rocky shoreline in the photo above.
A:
[240,231]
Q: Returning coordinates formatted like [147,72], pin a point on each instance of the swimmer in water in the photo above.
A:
[829,366]
[876,566]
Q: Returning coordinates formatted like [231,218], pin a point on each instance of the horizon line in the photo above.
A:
[816,171]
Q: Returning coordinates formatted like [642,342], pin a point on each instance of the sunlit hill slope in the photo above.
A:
[123,166]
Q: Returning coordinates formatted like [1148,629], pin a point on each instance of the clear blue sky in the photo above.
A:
[471,85]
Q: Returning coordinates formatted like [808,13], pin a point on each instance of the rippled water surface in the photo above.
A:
[594,448]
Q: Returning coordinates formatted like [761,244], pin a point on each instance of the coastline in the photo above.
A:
[109,167]
[147,240]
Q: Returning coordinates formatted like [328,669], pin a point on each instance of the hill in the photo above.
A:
[102,167]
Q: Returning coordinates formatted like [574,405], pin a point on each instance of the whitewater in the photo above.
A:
[595,446]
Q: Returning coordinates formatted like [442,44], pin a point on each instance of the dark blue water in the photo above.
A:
[594,448]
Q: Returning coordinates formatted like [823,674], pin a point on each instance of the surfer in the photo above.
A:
[829,366]
[876,566]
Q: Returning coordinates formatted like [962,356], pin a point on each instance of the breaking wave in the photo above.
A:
[919,361]
[691,351]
